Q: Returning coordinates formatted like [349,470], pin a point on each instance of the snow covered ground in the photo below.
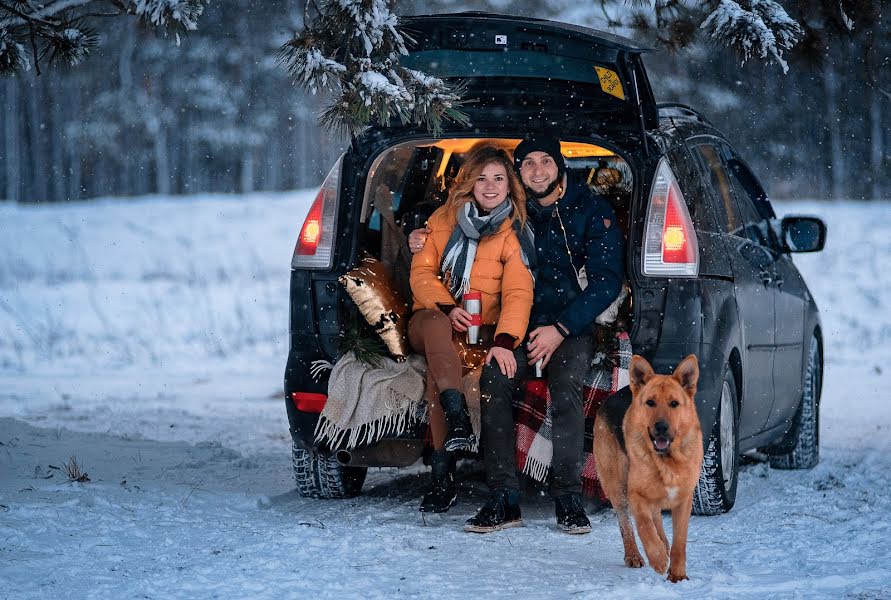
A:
[147,337]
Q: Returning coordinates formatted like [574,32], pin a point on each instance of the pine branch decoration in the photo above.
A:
[366,345]
[351,51]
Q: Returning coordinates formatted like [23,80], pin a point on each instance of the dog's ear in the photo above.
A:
[639,372]
[687,374]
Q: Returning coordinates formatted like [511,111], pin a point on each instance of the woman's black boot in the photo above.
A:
[442,495]
[460,435]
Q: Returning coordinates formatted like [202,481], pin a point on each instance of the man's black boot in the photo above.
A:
[571,516]
[460,435]
[501,510]
[442,495]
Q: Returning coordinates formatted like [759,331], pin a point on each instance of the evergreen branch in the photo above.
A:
[71,46]
[365,344]
[12,54]
[60,27]
[25,18]
[759,28]
[33,47]
[45,12]
[352,49]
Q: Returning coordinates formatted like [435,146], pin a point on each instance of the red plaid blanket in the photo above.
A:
[608,373]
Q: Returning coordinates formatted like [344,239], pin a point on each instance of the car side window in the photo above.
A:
[727,212]
[753,206]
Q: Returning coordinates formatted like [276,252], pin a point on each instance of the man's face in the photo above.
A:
[538,171]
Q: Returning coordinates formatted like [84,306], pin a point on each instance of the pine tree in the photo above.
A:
[66,31]
[351,48]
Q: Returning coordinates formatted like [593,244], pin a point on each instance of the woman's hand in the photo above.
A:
[505,359]
[460,319]
[543,341]
[417,239]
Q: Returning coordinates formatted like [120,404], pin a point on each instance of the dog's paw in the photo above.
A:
[660,563]
[675,577]
[635,562]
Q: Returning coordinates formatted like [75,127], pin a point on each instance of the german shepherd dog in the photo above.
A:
[648,452]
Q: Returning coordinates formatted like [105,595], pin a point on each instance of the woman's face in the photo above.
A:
[490,188]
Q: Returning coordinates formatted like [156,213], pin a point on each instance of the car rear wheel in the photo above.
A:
[319,476]
[716,491]
[806,452]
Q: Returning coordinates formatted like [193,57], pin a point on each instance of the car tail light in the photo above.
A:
[315,246]
[670,247]
[309,402]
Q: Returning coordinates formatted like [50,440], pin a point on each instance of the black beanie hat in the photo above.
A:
[539,143]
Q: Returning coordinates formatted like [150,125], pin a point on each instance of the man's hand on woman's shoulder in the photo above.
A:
[417,239]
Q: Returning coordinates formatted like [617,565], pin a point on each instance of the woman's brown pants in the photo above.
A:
[430,334]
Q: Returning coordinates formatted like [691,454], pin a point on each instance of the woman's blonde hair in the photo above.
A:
[461,190]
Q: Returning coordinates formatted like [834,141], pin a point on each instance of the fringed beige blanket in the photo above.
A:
[368,403]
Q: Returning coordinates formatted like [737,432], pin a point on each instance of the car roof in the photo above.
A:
[603,38]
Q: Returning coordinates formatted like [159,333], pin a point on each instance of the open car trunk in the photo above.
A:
[410,180]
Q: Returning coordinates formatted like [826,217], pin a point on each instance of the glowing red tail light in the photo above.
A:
[315,246]
[311,232]
[670,246]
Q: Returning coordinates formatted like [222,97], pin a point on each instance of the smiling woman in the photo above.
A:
[480,248]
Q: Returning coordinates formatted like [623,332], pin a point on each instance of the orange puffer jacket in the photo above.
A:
[498,273]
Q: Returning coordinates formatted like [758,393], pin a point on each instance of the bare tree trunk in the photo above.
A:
[246,175]
[162,159]
[273,160]
[11,142]
[56,168]
[37,192]
[833,123]
[877,144]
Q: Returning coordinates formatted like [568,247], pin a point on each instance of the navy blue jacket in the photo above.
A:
[599,247]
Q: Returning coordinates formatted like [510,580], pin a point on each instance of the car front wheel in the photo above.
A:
[716,491]
[806,452]
[319,476]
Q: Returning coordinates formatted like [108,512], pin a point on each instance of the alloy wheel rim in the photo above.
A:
[728,443]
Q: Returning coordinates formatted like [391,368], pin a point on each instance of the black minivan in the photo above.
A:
[708,262]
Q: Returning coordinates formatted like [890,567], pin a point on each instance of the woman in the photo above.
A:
[478,241]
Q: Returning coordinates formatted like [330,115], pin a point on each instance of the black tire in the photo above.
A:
[319,476]
[716,491]
[806,452]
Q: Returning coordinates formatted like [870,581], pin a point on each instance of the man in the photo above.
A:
[580,253]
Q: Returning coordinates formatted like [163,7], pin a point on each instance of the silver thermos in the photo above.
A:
[473,304]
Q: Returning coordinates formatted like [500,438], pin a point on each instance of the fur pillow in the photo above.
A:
[371,287]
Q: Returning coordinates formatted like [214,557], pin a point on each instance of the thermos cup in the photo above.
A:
[473,304]
[539,368]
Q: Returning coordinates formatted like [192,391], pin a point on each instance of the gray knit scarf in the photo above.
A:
[460,251]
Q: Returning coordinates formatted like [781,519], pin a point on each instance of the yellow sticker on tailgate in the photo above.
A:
[609,83]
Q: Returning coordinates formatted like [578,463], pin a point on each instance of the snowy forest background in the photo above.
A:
[217,113]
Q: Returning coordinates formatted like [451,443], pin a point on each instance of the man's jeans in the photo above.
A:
[566,374]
